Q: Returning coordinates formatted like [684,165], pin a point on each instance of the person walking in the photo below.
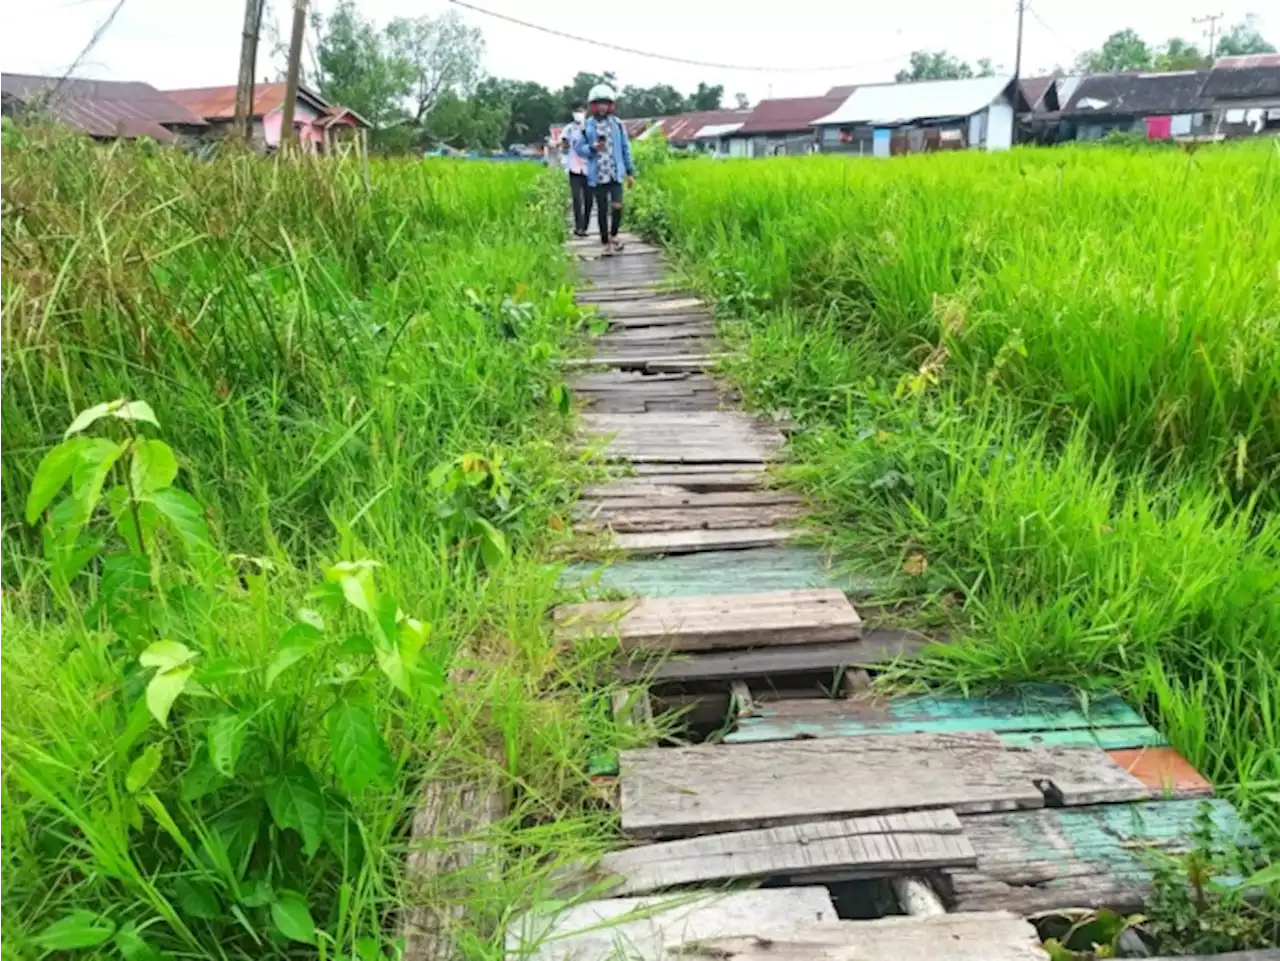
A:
[604,145]
[576,165]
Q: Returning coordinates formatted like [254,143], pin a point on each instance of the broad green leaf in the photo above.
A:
[125,595]
[198,898]
[367,949]
[79,929]
[493,544]
[357,583]
[202,778]
[295,802]
[89,416]
[295,644]
[392,665]
[52,475]
[226,739]
[239,828]
[292,916]
[134,947]
[256,894]
[360,755]
[143,768]
[166,654]
[185,517]
[164,690]
[135,410]
[152,466]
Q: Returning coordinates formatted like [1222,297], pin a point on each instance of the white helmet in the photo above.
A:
[601,91]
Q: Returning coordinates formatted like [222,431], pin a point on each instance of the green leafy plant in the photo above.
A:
[470,489]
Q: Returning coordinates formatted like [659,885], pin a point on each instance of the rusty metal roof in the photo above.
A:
[682,127]
[788,114]
[1247,61]
[101,108]
[1034,90]
[219,103]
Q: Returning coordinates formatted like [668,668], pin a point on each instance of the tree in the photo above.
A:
[740,101]
[933,66]
[985,68]
[461,122]
[440,55]
[1179,54]
[579,89]
[1244,38]
[1123,50]
[354,67]
[706,98]
[531,107]
[661,100]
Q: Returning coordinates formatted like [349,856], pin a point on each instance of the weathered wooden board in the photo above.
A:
[1032,707]
[876,647]
[606,293]
[625,521]
[656,322]
[643,307]
[994,936]
[1082,857]
[645,929]
[617,380]
[688,437]
[653,335]
[689,542]
[851,847]
[715,622]
[1107,738]
[666,360]
[689,500]
[644,470]
[680,791]
[715,572]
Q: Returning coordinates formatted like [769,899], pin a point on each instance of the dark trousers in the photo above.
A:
[608,209]
[581,193]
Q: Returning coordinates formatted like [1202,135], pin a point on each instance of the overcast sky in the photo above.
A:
[181,43]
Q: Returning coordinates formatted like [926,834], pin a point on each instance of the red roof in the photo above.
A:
[219,103]
[101,108]
[846,90]
[682,127]
[788,114]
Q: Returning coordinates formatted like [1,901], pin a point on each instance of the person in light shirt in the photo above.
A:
[576,165]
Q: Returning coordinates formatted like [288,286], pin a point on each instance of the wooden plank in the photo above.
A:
[616,379]
[1082,857]
[994,936]
[693,518]
[657,322]
[1164,771]
[715,572]
[656,335]
[665,361]
[645,929]
[643,470]
[604,505]
[687,542]
[701,478]
[643,308]
[877,647]
[676,792]
[1032,707]
[1107,738]
[715,622]
[861,847]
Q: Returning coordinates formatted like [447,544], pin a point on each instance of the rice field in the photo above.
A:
[297,571]
[1039,391]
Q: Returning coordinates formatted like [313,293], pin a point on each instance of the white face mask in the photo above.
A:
[579,116]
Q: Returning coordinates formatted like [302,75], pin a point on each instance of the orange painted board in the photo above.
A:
[1164,771]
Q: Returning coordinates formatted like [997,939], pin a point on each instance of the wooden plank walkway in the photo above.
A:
[1028,800]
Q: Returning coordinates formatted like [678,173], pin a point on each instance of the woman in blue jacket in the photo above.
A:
[603,143]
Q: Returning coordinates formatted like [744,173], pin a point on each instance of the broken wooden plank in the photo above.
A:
[655,335]
[666,361]
[992,936]
[679,791]
[715,622]
[1032,707]
[877,647]
[716,572]
[647,928]
[656,322]
[1081,857]
[851,848]
[603,505]
[686,542]
[627,521]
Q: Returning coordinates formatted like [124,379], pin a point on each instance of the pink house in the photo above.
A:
[318,123]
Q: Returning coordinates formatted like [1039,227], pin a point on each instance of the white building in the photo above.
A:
[883,119]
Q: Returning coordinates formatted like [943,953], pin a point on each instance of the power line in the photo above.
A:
[671,59]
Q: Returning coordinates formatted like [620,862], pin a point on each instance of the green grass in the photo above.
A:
[1042,389]
[345,371]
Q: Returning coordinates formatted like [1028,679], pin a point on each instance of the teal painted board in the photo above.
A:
[1093,856]
[755,571]
[1107,738]
[1033,707]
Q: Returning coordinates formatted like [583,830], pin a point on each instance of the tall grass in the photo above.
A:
[1044,389]
[347,371]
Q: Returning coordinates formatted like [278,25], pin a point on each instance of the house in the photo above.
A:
[318,123]
[103,109]
[1159,105]
[702,130]
[780,126]
[891,118]
[1242,95]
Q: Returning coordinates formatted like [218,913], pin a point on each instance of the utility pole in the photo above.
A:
[291,77]
[1017,56]
[1212,20]
[248,67]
